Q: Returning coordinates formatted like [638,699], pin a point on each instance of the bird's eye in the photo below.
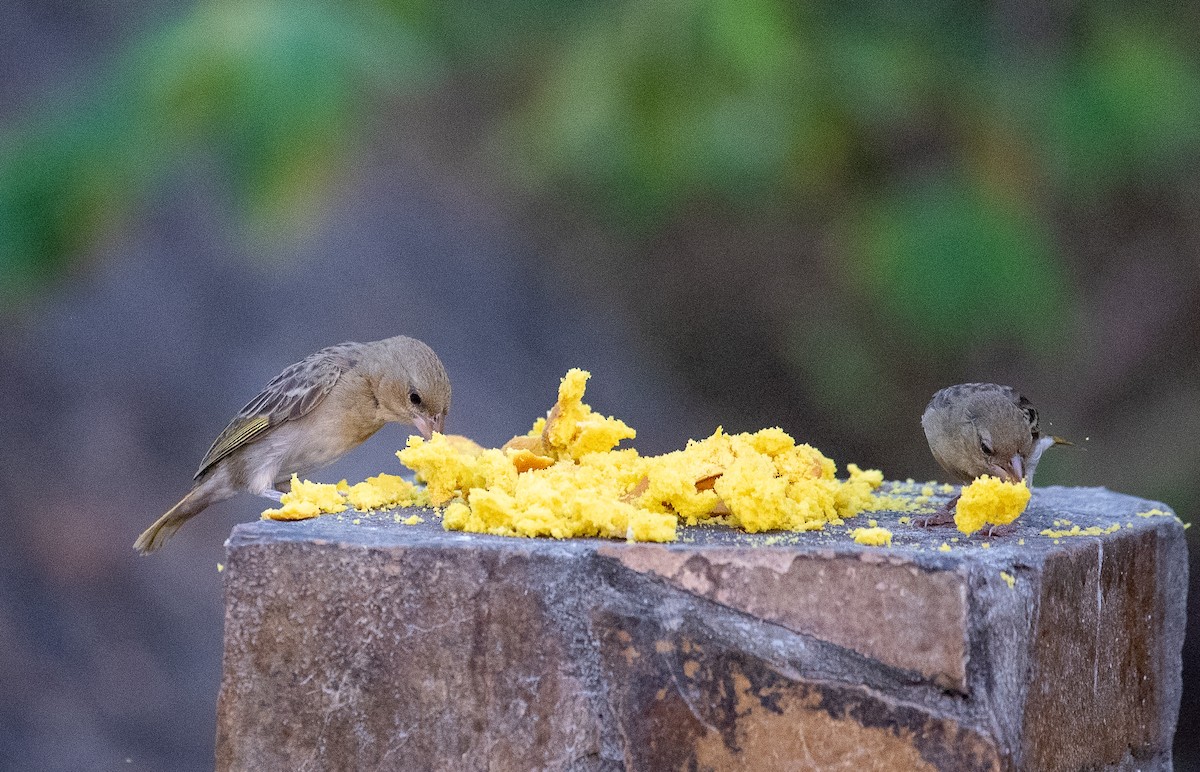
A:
[985,447]
[414,398]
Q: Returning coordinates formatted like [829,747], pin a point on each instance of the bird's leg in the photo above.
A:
[1001,530]
[943,516]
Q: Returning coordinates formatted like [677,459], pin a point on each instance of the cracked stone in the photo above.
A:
[386,646]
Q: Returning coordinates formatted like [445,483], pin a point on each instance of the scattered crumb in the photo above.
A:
[220,567]
[1020,542]
[905,520]
[873,536]
[383,491]
[944,548]
[987,545]
[947,488]
[1009,579]
[873,523]
[1156,512]
[412,519]
[356,521]
[1075,530]
[927,491]
[306,500]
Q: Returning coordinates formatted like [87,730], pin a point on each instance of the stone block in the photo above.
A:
[385,646]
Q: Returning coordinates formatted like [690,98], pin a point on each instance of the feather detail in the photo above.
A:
[291,394]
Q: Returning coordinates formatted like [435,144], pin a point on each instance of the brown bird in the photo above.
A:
[983,428]
[310,415]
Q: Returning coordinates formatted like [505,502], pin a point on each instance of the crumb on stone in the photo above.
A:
[873,536]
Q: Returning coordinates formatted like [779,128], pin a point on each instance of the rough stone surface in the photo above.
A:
[383,646]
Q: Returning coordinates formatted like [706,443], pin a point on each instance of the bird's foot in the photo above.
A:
[943,516]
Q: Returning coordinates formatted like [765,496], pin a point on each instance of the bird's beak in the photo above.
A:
[1012,472]
[1061,441]
[427,425]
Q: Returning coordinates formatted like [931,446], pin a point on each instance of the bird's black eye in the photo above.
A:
[414,398]
[985,447]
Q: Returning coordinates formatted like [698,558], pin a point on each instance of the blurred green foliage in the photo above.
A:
[956,265]
[273,89]
[927,140]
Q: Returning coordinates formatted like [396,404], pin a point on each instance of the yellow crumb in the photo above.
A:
[220,567]
[413,520]
[873,536]
[383,491]
[873,523]
[990,500]
[1075,530]
[306,500]
[947,488]
[987,545]
[356,521]
[944,548]
[1156,512]
[927,491]
[1020,542]
[904,520]
[1009,579]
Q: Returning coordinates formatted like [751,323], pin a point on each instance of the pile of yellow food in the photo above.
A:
[566,478]
[309,499]
[990,501]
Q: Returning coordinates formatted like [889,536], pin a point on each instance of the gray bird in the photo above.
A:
[310,415]
[983,428]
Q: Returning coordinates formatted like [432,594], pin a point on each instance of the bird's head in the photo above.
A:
[411,385]
[1003,446]
[978,429]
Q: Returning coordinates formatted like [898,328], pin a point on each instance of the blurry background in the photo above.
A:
[737,212]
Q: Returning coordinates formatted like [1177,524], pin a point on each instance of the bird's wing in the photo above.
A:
[291,394]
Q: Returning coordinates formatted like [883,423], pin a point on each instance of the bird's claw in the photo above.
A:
[943,516]
[939,518]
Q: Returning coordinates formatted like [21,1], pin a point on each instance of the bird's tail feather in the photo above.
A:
[165,527]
